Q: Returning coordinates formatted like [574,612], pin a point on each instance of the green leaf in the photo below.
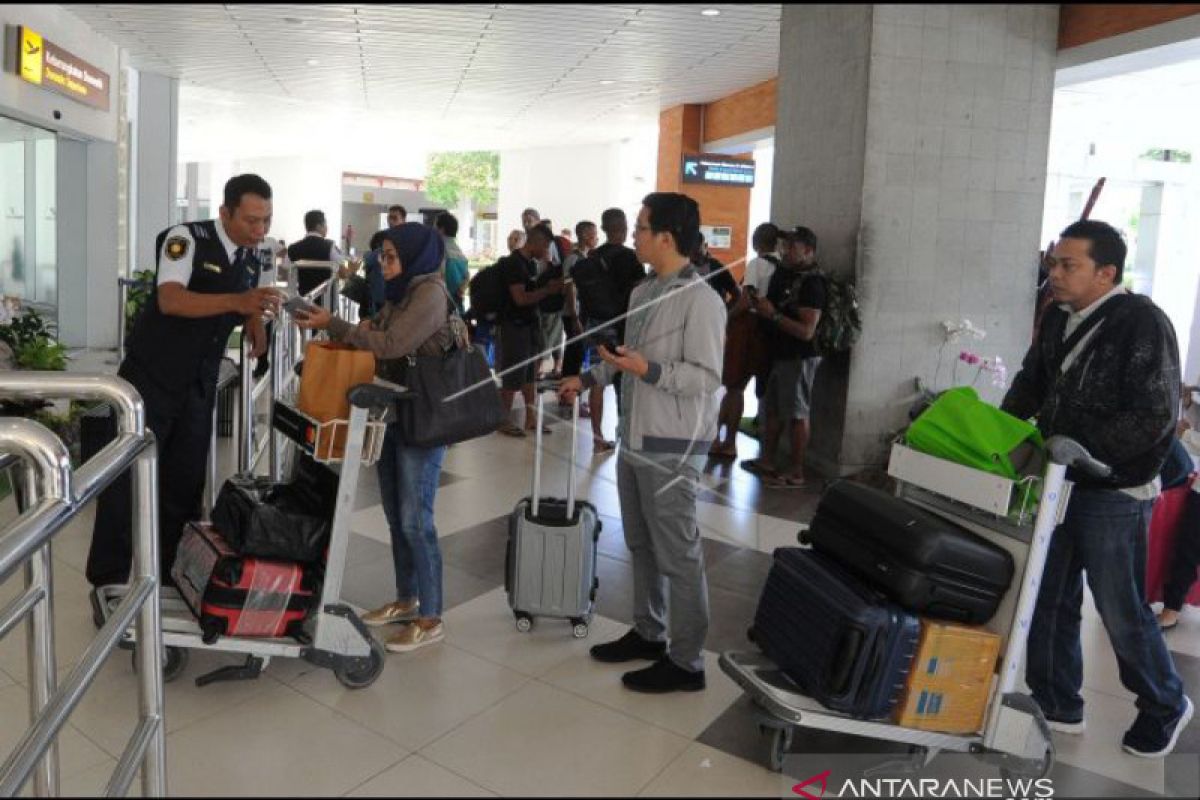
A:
[453,176]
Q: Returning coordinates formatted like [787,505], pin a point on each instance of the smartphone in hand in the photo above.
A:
[299,304]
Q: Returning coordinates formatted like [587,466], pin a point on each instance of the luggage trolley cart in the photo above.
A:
[1014,729]
[334,636]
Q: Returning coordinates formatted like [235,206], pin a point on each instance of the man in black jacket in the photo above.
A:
[1104,370]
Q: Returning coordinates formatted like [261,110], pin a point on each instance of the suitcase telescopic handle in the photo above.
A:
[537,456]
[1065,450]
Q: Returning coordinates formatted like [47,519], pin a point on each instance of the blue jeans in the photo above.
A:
[408,482]
[1104,535]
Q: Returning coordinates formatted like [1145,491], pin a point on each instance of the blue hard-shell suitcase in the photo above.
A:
[842,642]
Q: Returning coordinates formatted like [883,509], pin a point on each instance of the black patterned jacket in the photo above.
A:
[1119,397]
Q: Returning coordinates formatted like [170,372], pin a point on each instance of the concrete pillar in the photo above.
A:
[86,243]
[155,147]
[913,140]
[1148,232]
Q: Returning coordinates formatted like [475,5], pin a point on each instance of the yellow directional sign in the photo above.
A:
[32,56]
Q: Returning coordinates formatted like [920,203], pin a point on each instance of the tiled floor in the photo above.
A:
[492,711]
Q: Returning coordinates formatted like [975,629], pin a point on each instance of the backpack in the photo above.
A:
[840,324]
[555,303]
[596,287]
[488,291]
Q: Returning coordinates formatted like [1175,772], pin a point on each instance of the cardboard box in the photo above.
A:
[951,678]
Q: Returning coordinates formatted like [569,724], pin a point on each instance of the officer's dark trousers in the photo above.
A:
[182,425]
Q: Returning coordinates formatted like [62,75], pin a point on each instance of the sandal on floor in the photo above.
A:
[509,429]
[785,482]
[533,429]
[603,445]
[757,467]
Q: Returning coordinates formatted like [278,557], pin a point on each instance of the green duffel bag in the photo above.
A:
[960,427]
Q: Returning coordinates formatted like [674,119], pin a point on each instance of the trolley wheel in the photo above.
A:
[781,744]
[802,537]
[364,676]
[579,628]
[174,661]
[1029,769]
[524,623]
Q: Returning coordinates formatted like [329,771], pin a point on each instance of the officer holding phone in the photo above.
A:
[208,281]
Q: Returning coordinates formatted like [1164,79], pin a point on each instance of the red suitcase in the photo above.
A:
[1165,523]
[236,595]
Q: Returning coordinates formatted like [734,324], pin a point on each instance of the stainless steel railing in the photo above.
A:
[51,494]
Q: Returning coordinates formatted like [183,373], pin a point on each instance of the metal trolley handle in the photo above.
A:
[1065,450]
[376,395]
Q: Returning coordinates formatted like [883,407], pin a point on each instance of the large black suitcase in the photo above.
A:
[923,562]
[842,642]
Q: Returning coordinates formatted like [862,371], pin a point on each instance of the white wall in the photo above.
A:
[298,185]
[569,184]
[760,193]
[36,105]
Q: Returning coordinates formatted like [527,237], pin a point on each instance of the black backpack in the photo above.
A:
[555,303]
[487,291]
[596,287]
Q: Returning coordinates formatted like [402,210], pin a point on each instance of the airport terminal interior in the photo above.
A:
[935,152]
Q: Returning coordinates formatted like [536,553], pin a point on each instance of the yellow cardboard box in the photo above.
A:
[951,678]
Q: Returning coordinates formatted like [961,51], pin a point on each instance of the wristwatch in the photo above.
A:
[778,315]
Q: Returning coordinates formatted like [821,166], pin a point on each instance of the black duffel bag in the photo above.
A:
[284,521]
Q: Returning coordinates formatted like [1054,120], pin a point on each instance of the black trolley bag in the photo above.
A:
[842,642]
[925,563]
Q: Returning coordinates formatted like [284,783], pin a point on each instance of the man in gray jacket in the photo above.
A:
[670,369]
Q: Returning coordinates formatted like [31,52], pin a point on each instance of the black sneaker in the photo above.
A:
[663,676]
[629,647]
[1158,743]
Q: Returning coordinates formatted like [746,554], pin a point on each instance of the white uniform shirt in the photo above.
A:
[179,270]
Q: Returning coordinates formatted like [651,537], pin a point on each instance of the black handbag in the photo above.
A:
[455,396]
[283,521]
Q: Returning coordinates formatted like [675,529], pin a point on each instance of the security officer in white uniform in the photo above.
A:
[209,281]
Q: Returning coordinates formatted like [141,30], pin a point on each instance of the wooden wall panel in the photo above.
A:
[1083,23]
[748,110]
[678,132]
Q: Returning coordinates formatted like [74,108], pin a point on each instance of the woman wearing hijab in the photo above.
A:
[417,318]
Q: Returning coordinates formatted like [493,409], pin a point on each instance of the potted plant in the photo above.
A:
[29,342]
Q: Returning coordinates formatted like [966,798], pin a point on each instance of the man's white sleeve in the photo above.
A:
[175,258]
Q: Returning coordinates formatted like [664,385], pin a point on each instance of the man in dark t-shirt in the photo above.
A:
[625,272]
[793,305]
[520,333]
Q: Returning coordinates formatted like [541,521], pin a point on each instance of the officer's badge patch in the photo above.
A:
[211,267]
[177,248]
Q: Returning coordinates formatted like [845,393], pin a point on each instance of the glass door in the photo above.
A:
[28,228]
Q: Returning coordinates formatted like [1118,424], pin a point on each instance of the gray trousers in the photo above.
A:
[658,512]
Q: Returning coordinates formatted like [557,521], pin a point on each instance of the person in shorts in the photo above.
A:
[792,308]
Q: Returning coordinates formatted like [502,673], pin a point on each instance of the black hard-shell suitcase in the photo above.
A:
[923,562]
[842,642]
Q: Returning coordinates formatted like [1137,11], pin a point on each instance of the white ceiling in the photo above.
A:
[1133,112]
[499,75]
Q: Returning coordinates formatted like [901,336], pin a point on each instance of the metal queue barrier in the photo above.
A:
[286,349]
[50,495]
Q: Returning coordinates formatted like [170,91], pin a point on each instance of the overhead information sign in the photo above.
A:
[723,170]
[45,64]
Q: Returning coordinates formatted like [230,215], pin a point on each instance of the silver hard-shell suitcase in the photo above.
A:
[550,565]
